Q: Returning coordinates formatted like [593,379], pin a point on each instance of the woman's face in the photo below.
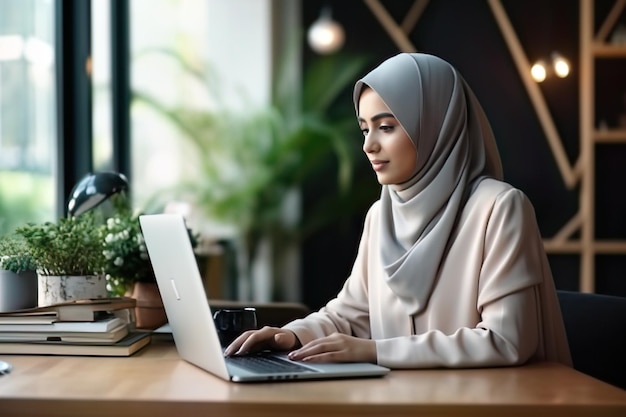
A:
[388,147]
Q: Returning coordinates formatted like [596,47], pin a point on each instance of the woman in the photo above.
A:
[451,270]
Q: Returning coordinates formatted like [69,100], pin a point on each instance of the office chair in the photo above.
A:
[596,331]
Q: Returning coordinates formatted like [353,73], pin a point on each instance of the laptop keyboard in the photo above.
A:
[267,364]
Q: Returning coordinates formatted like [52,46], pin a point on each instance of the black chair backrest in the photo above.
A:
[596,332]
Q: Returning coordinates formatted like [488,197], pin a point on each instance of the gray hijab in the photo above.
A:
[455,147]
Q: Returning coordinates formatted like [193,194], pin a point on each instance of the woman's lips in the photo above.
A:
[378,165]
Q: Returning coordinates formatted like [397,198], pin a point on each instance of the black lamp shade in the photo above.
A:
[93,189]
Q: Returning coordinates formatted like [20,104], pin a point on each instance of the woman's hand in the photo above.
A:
[336,348]
[271,338]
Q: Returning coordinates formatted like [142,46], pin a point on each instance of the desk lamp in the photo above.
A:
[93,189]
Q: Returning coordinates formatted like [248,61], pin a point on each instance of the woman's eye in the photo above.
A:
[385,128]
[365,131]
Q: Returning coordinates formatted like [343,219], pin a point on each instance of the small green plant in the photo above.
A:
[125,254]
[14,254]
[71,246]
[126,258]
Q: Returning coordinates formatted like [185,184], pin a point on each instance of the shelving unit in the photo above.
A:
[577,236]
[593,46]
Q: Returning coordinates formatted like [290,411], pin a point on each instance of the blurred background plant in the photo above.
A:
[250,162]
[21,201]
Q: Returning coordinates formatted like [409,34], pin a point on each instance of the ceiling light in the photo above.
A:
[560,65]
[539,71]
[325,35]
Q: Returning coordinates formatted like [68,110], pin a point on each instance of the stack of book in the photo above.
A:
[92,327]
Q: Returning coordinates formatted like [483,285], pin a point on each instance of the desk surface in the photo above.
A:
[156,382]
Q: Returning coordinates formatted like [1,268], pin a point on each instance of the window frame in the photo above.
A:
[74,93]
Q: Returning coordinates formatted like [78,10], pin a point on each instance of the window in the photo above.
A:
[165,37]
[101,88]
[27,113]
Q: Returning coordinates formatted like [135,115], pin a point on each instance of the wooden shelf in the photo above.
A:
[600,247]
[610,135]
[577,237]
[603,50]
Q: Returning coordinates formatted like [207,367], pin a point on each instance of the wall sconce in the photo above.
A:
[325,35]
[560,67]
[539,71]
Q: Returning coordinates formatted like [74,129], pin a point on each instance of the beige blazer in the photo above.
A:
[493,304]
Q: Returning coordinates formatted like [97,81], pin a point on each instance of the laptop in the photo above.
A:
[191,320]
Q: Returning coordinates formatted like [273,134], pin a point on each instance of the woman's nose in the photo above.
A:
[370,144]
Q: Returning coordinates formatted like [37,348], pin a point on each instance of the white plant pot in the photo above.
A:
[58,289]
[17,291]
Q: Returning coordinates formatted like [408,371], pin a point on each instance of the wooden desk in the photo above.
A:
[156,382]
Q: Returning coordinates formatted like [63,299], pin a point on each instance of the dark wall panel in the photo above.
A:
[465,33]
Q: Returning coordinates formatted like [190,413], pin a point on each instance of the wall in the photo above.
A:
[465,33]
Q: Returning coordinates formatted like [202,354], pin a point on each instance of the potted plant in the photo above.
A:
[128,268]
[67,255]
[18,279]
[125,255]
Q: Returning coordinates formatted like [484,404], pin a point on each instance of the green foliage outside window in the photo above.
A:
[24,197]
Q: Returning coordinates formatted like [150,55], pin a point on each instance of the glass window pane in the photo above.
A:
[163,32]
[27,113]
[101,78]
